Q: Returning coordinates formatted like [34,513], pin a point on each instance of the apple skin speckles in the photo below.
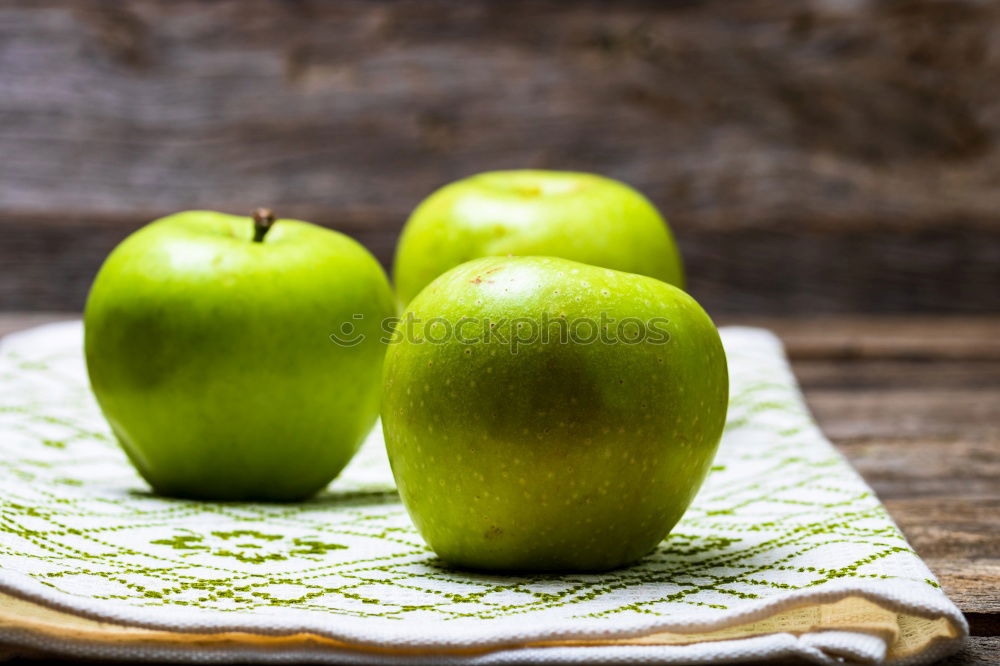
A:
[212,355]
[578,216]
[582,456]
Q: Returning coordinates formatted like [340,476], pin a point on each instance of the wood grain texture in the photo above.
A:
[978,651]
[893,338]
[812,156]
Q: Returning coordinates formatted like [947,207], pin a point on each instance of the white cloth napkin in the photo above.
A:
[785,553]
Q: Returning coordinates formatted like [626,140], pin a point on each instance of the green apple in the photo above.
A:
[578,449]
[578,216]
[208,344]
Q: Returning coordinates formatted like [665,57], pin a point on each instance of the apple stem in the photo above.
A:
[263,220]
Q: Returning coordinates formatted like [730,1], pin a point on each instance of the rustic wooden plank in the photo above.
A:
[957,537]
[972,585]
[827,115]
[827,157]
[912,413]
[815,374]
[923,468]
[978,651]
[972,524]
[911,337]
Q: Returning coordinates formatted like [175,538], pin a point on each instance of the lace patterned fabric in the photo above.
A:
[784,553]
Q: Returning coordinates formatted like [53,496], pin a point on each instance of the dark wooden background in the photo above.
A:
[812,156]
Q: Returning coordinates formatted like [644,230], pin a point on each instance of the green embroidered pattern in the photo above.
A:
[250,546]
[780,512]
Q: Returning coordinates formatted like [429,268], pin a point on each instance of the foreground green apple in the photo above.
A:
[208,344]
[576,216]
[576,452]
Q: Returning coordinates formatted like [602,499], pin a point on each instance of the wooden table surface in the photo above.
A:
[915,404]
